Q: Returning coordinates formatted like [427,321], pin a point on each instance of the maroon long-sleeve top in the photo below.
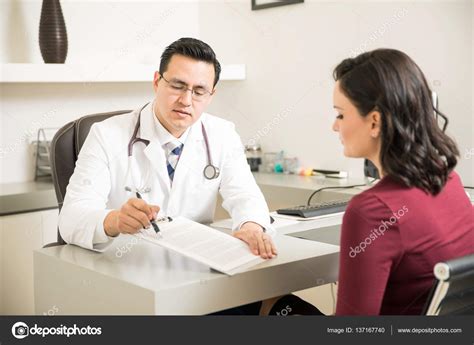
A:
[391,238]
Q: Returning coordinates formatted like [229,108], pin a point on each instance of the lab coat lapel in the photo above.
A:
[154,152]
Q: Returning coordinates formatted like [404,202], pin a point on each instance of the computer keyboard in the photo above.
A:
[316,209]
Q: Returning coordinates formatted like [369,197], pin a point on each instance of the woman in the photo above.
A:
[418,214]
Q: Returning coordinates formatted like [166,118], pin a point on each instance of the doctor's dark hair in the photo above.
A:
[415,151]
[193,48]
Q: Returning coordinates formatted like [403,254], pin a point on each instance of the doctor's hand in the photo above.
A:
[259,242]
[134,215]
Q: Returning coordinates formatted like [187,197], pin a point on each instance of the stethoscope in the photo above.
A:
[210,171]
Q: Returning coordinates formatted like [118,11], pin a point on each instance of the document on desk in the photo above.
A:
[211,247]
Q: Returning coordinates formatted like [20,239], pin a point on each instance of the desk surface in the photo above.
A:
[137,277]
[36,196]
[39,195]
[306,182]
[27,197]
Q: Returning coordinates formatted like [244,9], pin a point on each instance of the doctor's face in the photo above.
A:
[176,106]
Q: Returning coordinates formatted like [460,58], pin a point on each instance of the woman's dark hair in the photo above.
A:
[194,49]
[415,151]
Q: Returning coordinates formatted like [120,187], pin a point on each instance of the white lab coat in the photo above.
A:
[97,185]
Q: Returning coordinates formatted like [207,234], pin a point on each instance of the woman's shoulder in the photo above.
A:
[389,197]
[379,202]
[371,198]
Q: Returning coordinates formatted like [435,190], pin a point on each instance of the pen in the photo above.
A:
[153,223]
[332,173]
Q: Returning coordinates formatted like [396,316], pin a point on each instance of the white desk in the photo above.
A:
[305,182]
[152,280]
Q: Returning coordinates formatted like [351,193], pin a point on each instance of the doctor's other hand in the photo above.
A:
[134,215]
[259,242]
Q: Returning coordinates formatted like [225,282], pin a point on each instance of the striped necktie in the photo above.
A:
[174,151]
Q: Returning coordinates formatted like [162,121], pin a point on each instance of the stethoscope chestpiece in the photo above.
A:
[211,172]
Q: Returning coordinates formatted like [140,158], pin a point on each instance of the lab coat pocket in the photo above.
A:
[205,187]
[201,202]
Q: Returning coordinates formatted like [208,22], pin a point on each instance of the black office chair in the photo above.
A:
[453,289]
[65,148]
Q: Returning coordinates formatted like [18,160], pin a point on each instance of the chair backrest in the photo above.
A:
[65,148]
[453,289]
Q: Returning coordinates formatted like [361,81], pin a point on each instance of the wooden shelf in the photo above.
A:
[65,73]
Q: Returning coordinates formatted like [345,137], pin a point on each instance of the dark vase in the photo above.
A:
[52,32]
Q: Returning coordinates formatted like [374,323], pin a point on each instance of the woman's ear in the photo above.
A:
[375,119]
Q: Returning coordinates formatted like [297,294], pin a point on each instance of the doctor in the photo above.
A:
[173,154]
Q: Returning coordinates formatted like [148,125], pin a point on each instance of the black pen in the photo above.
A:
[153,223]
[332,173]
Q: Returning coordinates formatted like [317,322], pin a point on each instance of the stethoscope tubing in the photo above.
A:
[135,138]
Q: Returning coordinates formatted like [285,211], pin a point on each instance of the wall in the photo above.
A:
[286,101]
[101,33]
[291,51]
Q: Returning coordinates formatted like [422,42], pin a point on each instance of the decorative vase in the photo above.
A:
[52,32]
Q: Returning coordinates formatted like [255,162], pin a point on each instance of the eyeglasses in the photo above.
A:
[198,93]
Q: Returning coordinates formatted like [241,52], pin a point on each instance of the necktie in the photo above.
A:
[174,151]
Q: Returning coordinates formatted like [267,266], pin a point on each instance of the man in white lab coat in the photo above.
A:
[168,170]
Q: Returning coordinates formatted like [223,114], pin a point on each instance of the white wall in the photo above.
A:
[99,31]
[289,52]
[102,33]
